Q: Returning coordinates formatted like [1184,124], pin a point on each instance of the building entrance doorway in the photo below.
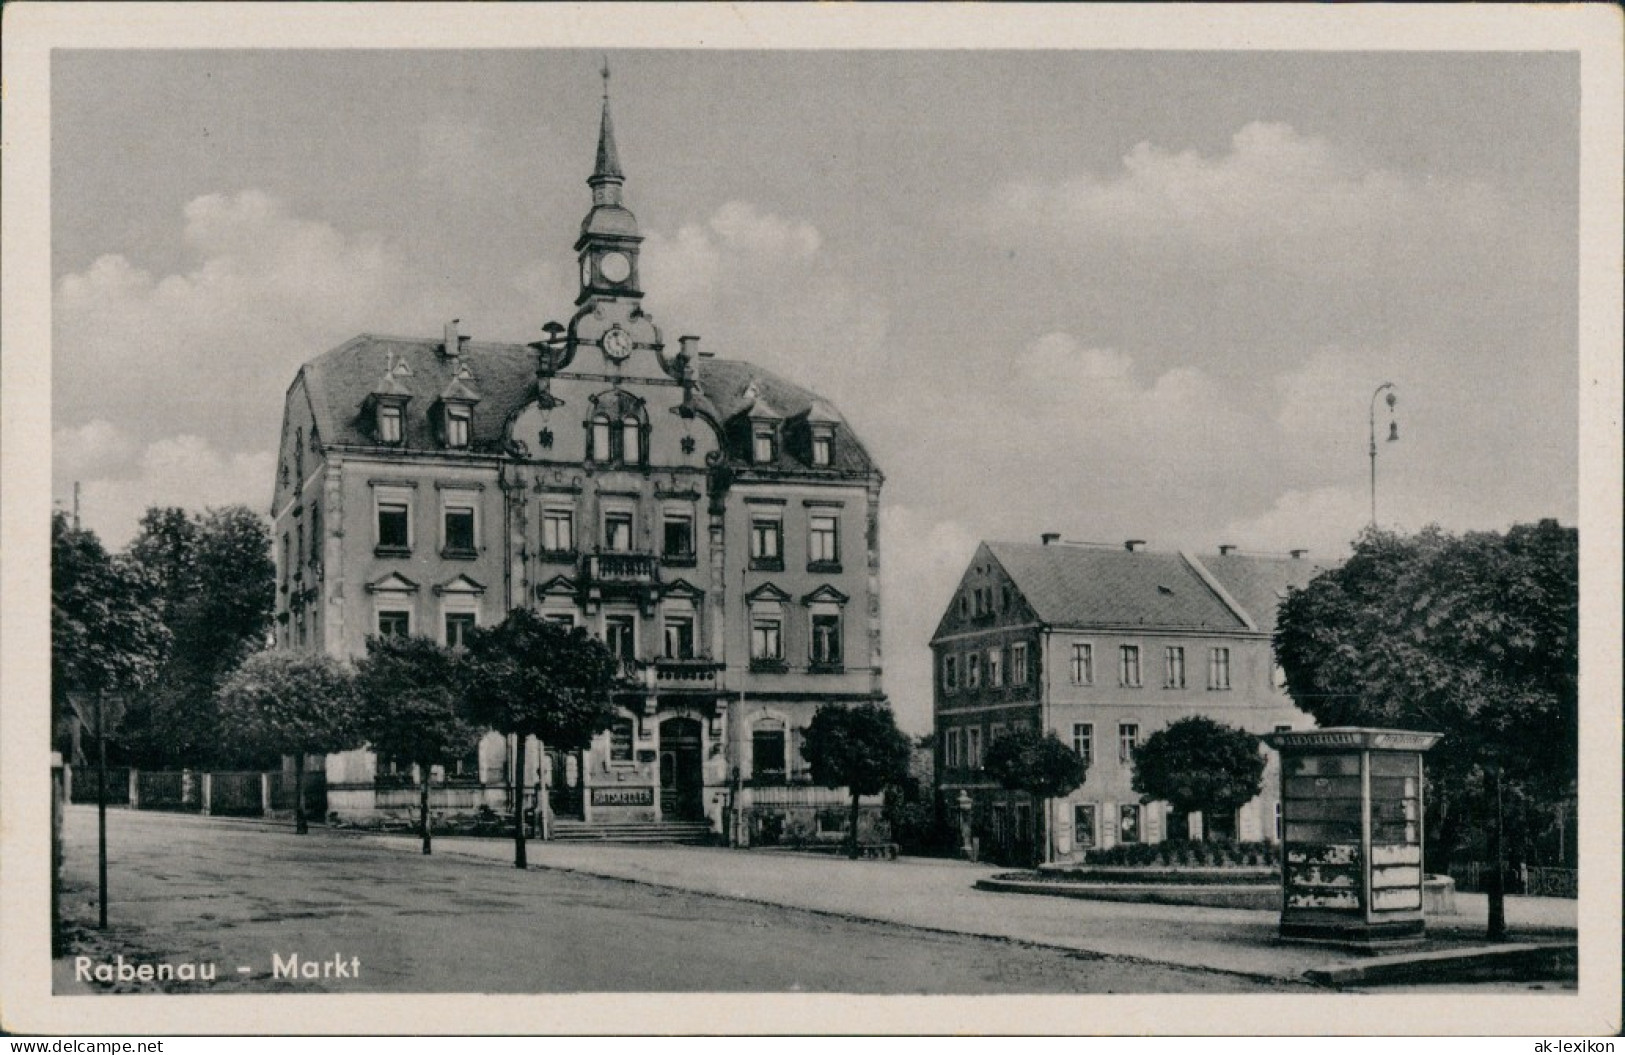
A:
[682,779]
[564,795]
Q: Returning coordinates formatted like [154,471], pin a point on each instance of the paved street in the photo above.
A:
[212,892]
[940,895]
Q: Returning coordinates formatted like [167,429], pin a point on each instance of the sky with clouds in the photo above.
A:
[1108,294]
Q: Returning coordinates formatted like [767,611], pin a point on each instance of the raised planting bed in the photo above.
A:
[1174,875]
[1250,888]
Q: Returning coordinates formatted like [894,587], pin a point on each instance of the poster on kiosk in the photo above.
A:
[1352,838]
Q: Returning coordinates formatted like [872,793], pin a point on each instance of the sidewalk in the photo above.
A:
[940,895]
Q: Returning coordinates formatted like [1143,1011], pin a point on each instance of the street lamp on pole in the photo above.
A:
[1393,434]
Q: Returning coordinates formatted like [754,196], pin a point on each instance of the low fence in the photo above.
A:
[1527,880]
[220,794]
[82,785]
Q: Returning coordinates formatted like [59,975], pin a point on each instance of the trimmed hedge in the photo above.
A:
[1188,853]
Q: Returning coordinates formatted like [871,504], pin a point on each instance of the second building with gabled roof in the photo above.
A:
[1105,645]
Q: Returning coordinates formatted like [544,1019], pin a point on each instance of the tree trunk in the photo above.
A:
[1041,832]
[423,805]
[852,844]
[299,825]
[519,802]
[1496,887]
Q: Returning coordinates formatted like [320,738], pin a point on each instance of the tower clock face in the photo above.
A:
[615,267]
[617,343]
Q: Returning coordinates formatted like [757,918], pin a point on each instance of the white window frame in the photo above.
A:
[1019,669]
[392,603]
[565,515]
[1218,669]
[394,496]
[826,610]
[671,515]
[451,499]
[770,622]
[459,426]
[1130,669]
[995,668]
[1173,667]
[619,617]
[619,513]
[776,522]
[1083,663]
[1083,741]
[391,414]
[973,670]
[764,444]
[673,614]
[1127,742]
[1092,810]
[973,747]
[823,538]
[447,611]
[1131,809]
[950,672]
[823,450]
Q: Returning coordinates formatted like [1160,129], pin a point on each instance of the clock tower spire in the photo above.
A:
[608,246]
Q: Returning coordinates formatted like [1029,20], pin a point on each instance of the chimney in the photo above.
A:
[1134,545]
[453,344]
[1226,548]
[1298,554]
[1049,536]
[689,348]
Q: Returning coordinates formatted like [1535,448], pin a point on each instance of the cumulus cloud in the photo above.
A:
[1323,520]
[92,449]
[767,288]
[215,345]
[1276,198]
[921,559]
[184,470]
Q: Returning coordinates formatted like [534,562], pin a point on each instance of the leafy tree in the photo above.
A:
[859,748]
[408,708]
[1198,764]
[1040,765]
[530,677]
[292,703]
[216,588]
[105,637]
[1472,636]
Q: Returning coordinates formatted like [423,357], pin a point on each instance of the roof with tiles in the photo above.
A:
[1260,583]
[340,381]
[1072,585]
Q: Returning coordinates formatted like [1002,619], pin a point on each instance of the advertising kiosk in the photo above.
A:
[1351,815]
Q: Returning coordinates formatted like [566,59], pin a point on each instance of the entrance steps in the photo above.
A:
[689,833]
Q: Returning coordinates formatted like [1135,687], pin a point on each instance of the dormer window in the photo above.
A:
[823,450]
[458,419]
[389,422]
[764,446]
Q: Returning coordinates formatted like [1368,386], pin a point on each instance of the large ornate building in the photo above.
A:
[1103,646]
[714,523]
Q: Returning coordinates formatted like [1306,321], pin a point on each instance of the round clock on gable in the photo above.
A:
[617,343]
[615,267]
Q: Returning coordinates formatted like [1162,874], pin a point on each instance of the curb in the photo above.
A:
[1518,961]
[1258,897]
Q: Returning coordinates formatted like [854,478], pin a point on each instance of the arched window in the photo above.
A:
[601,433]
[631,441]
